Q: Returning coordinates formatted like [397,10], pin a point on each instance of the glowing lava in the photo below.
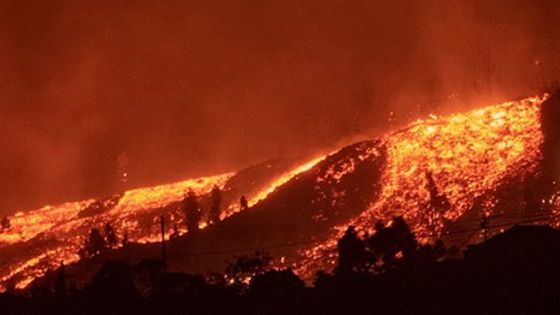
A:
[467,156]
[459,159]
[284,178]
[61,230]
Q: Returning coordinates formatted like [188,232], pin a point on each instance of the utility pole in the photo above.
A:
[163,253]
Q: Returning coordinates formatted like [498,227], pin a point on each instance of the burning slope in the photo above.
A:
[59,231]
[440,169]
[39,240]
[440,174]
[468,155]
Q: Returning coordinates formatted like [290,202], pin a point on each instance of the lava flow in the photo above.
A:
[466,157]
[439,174]
[59,231]
[39,240]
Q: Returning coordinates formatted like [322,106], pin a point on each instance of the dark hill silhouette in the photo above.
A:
[521,244]
[514,272]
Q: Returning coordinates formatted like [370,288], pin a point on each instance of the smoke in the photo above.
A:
[193,88]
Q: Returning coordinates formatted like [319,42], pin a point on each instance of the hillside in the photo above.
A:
[442,175]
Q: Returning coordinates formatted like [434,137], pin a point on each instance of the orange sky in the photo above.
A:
[187,88]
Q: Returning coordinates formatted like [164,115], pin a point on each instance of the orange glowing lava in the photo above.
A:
[467,155]
[136,213]
[68,225]
[281,180]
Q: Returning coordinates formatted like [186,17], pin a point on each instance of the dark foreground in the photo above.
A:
[516,272]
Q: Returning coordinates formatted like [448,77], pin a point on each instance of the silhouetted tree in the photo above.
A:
[148,271]
[60,285]
[95,244]
[114,272]
[216,195]
[547,180]
[193,212]
[393,245]
[276,291]
[438,201]
[439,249]
[114,284]
[276,280]
[5,223]
[10,285]
[110,236]
[125,240]
[351,252]
[323,279]
[244,205]
[240,271]
[175,232]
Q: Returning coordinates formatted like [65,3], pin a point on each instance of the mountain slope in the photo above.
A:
[441,174]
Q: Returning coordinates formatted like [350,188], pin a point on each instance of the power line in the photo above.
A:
[228,251]
[536,216]
[531,220]
[504,217]
[508,214]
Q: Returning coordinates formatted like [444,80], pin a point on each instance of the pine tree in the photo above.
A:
[5,223]
[243,203]
[175,232]
[60,285]
[351,252]
[192,212]
[110,236]
[216,195]
[95,244]
[125,240]
[394,245]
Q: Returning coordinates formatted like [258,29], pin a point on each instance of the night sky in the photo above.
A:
[177,89]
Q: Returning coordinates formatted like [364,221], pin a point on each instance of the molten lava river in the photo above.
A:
[466,158]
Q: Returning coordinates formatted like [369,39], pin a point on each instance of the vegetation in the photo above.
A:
[5,224]
[215,209]
[240,271]
[111,237]
[94,245]
[385,272]
[392,246]
[193,212]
